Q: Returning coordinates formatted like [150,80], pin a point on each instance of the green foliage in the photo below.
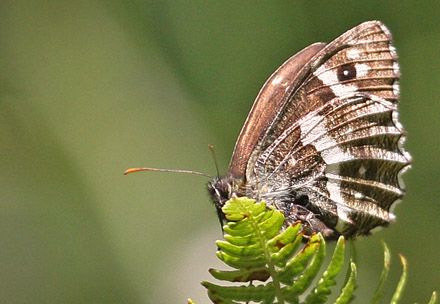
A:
[399,290]
[433,298]
[260,248]
[383,277]
[258,251]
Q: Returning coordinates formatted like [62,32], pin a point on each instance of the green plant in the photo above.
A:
[260,248]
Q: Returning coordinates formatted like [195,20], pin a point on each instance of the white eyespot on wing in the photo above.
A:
[359,196]
[362,170]
[329,78]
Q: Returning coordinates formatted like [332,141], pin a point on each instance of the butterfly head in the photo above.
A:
[221,189]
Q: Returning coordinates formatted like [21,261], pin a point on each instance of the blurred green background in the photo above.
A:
[91,88]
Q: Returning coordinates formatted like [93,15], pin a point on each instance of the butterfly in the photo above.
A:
[322,142]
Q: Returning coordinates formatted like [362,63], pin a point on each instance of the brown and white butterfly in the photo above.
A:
[322,142]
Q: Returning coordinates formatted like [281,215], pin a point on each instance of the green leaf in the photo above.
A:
[299,262]
[241,251]
[321,291]
[400,286]
[286,244]
[346,295]
[242,262]
[310,272]
[378,295]
[288,236]
[241,293]
[261,248]
[261,274]
[433,298]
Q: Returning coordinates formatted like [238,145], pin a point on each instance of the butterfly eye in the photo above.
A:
[346,72]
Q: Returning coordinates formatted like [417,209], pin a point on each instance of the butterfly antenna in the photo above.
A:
[132,170]
[211,147]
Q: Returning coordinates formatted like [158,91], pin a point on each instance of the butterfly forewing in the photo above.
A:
[271,98]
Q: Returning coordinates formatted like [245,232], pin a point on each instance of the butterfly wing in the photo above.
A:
[273,96]
[334,144]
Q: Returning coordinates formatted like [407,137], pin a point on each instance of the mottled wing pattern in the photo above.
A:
[337,139]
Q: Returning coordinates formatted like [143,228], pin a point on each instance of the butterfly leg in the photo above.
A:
[311,223]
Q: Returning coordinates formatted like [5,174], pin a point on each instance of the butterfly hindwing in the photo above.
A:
[335,145]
